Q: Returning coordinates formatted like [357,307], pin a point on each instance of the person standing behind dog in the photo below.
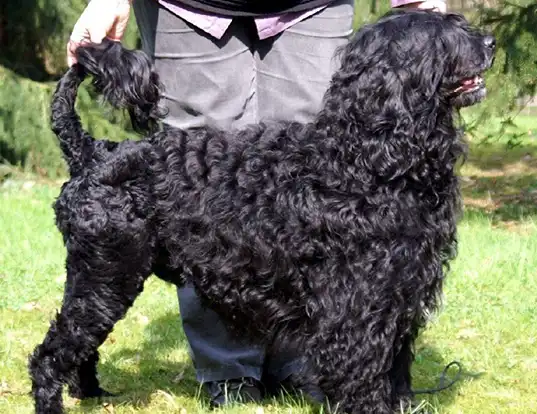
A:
[231,63]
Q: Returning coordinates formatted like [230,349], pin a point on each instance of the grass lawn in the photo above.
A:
[489,320]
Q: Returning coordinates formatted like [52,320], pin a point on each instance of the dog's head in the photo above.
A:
[469,53]
[419,56]
[397,86]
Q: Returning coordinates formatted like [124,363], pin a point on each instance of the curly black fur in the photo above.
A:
[332,237]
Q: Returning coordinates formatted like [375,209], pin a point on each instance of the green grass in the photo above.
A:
[488,322]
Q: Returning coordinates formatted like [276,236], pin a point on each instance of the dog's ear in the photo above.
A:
[388,92]
[401,116]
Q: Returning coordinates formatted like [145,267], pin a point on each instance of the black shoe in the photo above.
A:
[241,390]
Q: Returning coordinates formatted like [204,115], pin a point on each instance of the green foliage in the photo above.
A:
[514,26]
[32,52]
[34,35]
[367,11]
[26,140]
[511,81]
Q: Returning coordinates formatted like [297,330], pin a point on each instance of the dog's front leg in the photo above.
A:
[400,373]
[352,364]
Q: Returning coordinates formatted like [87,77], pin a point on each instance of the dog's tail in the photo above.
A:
[126,80]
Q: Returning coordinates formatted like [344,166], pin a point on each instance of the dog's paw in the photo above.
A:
[92,393]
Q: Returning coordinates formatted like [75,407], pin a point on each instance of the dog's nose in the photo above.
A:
[490,42]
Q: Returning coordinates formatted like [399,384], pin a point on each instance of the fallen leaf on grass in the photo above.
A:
[467,333]
[28,184]
[71,402]
[109,407]
[30,306]
[4,389]
[143,320]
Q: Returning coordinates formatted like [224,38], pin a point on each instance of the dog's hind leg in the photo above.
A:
[69,352]
[83,382]
[106,274]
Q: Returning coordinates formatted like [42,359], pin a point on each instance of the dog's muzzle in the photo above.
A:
[472,89]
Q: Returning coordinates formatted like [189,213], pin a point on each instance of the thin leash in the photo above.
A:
[443,383]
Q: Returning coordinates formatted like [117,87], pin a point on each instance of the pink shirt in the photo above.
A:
[216,26]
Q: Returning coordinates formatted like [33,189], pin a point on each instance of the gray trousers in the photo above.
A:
[232,82]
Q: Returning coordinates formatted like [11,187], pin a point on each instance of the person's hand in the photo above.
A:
[434,5]
[100,19]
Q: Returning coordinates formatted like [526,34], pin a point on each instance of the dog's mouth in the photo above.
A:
[468,85]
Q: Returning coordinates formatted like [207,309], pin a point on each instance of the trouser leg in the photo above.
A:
[206,81]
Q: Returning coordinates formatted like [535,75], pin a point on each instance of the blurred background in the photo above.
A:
[33,35]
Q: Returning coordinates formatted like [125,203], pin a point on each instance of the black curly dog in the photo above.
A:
[330,237]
